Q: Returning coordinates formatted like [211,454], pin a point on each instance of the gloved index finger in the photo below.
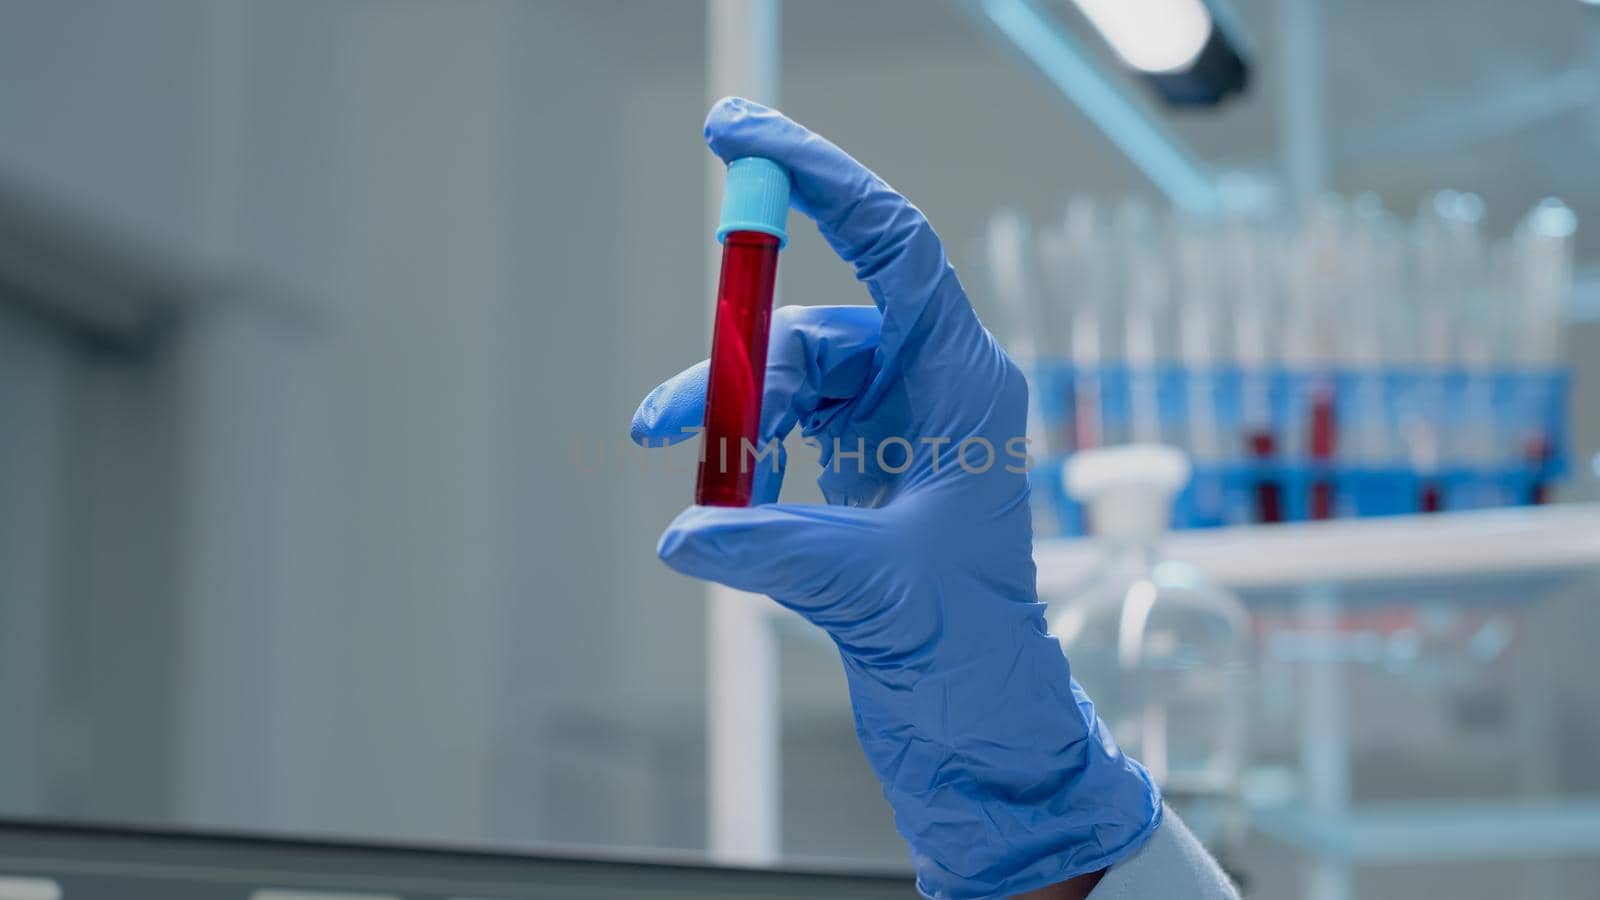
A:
[894,250]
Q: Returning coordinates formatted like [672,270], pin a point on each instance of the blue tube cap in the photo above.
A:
[755,198]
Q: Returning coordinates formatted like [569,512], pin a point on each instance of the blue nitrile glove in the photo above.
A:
[1000,775]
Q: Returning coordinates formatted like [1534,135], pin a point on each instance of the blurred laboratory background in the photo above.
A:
[322,321]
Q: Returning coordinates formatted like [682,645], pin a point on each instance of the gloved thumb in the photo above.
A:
[799,554]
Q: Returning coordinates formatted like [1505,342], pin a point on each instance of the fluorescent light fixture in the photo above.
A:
[1159,155]
[1152,35]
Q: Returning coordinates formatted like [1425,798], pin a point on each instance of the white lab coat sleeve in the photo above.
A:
[1171,866]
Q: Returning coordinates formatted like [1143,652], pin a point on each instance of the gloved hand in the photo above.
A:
[1000,775]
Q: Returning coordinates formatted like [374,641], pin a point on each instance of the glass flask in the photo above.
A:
[1160,647]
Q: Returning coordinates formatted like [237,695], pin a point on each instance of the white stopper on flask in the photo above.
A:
[1128,489]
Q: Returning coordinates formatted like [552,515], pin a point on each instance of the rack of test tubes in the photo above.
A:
[1340,362]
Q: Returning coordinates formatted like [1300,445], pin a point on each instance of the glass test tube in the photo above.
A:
[1022,310]
[1436,338]
[1145,288]
[755,209]
[1083,273]
[1318,274]
[1199,324]
[1471,433]
[1369,329]
[1544,245]
[1250,272]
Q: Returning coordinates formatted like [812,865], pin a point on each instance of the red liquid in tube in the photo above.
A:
[1269,495]
[729,451]
[1537,451]
[1431,500]
[1323,431]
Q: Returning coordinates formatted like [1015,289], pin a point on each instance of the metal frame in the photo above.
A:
[113,863]
[1505,111]
[741,671]
[1125,121]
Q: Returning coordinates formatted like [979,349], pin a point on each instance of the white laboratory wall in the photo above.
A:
[33,374]
[360,586]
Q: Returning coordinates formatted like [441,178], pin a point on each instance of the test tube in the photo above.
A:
[1477,329]
[1022,316]
[1369,330]
[1076,273]
[753,228]
[1250,256]
[1544,245]
[1434,283]
[1316,276]
[1200,322]
[1080,270]
[1016,257]
[1004,250]
[1544,242]
[1145,286]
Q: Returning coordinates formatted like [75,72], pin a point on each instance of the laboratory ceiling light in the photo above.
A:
[1175,45]
[1152,35]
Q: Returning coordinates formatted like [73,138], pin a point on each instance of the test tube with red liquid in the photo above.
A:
[1323,431]
[1268,492]
[753,228]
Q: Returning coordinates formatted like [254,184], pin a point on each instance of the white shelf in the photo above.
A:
[1350,551]
[1442,832]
